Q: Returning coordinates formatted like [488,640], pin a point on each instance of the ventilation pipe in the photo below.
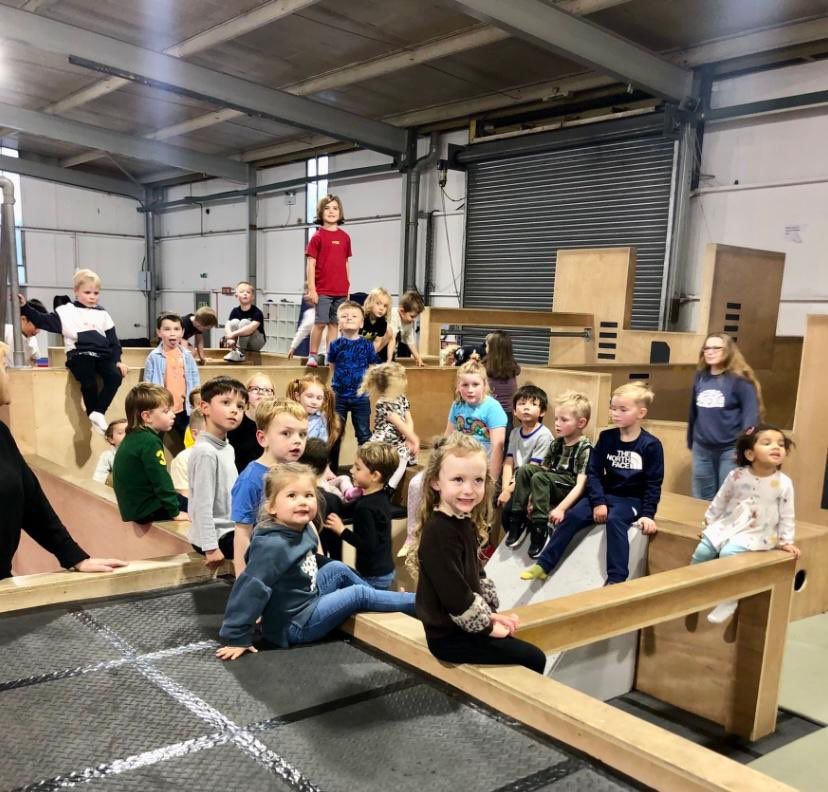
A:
[411,210]
[8,269]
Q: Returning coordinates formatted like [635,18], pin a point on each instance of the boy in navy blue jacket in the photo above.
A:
[624,478]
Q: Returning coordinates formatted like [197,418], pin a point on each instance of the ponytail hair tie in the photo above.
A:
[750,430]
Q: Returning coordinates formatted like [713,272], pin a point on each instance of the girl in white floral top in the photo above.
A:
[386,385]
[754,509]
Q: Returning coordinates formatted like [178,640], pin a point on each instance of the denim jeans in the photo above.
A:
[706,552]
[710,469]
[360,409]
[381,582]
[344,593]
[622,513]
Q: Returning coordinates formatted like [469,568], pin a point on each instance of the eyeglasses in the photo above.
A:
[265,391]
[712,349]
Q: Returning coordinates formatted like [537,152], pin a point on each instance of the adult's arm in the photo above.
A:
[749,401]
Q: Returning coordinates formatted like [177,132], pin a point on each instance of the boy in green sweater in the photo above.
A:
[140,478]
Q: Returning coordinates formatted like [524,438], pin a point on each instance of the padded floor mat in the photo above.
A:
[127,695]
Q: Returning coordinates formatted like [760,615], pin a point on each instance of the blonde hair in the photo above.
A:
[448,352]
[459,445]
[374,295]
[245,283]
[297,387]
[279,477]
[733,362]
[269,409]
[473,368]
[144,396]
[640,392]
[348,305]
[378,380]
[255,375]
[85,276]
[578,404]
[196,420]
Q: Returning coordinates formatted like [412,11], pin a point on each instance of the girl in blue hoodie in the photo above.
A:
[298,602]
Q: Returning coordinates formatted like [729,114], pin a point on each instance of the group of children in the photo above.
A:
[259,479]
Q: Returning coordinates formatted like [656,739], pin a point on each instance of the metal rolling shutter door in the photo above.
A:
[523,209]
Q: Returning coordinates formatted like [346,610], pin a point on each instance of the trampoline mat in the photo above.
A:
[127,694]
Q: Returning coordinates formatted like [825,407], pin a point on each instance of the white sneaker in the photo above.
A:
[312,362]
[722,612]
[234,356]
[98,422]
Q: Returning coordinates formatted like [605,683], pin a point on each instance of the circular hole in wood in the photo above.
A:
[800,579]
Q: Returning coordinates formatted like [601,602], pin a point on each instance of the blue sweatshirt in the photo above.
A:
[278,584]
[626,470]
[722,407]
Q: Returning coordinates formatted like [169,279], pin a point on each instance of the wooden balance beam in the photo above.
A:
[643,751]
[432,319]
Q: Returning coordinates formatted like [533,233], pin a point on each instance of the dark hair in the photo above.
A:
[218,386]
[315,455]
[531,393]
[500,359]
[323,202]
[169,317]
[110,430]
[37,305]
[747,440]
[379,458]
[144,396]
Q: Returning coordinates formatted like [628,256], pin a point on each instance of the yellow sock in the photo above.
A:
[535,572]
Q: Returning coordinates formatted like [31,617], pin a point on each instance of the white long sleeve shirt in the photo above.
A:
[753,512]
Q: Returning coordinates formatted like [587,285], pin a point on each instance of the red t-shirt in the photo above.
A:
[331,249]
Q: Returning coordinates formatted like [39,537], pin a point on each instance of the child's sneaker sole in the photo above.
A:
[513,542]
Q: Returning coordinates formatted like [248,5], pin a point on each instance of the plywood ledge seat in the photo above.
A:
[49,588]
[89,511]
[642,751]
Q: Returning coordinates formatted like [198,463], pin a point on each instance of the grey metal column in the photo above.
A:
[152,270]
[10,244]
[252,230]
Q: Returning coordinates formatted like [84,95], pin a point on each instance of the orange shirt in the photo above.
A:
[174,380]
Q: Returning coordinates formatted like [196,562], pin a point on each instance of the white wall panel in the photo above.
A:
[282,261]
[376,259]
[183,261]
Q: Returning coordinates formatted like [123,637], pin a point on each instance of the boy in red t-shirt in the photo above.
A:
[328,272]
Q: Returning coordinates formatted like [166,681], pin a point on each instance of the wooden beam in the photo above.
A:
[50,588]
[647,753]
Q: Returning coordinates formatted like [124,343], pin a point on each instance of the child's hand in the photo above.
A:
[647,525]
[413,445]
[21,299]
[98,565]
[504,496]
[556,515]
[509,620]
[792,549]
[290,353]
[529,507]
[599,514]
[213,558]
[419,361]
[234,652]
[499,630]
[123,368]
[313,297]
[335,524]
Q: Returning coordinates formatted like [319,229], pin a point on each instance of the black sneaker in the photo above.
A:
[516,533]
[537,540]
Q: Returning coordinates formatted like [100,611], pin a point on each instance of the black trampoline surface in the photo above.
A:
[127,695]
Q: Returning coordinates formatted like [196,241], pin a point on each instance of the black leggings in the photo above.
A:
[485,650]
[86,369]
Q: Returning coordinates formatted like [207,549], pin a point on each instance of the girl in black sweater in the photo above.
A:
[455,601]
[26,507]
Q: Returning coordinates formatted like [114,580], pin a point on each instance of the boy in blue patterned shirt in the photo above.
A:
[349,357]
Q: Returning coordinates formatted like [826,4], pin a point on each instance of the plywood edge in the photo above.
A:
[49,588]
[638,749]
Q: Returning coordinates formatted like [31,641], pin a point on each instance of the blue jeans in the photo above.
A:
[344,593]
[382,582]
[706,552]
[360,409]
[710,469]
[622,513]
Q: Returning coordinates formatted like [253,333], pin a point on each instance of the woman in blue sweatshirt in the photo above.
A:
[727,399]
[298,602]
